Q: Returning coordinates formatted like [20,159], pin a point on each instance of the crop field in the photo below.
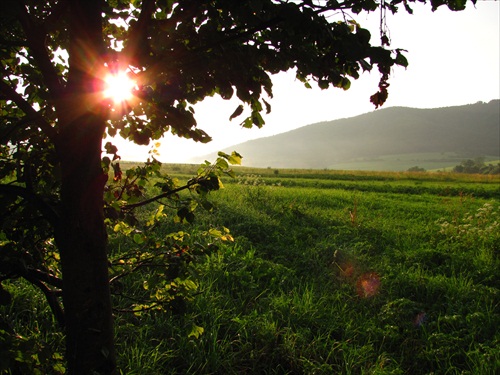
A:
[321,272]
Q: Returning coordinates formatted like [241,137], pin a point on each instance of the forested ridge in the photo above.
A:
[452,133]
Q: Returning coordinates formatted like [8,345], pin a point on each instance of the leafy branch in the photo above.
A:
[166,194]
[206,181]
[36,39]
[49,213]
[11,94]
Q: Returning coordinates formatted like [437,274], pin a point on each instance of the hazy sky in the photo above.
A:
[453,60]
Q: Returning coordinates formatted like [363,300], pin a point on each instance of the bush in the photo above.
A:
[477,165]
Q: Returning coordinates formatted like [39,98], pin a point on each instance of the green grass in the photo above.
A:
[333,273]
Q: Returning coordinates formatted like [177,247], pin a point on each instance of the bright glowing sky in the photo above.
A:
[453,57]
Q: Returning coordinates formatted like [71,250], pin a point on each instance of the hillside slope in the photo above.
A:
[370,141]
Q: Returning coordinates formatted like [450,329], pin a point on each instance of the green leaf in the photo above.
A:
[188,284]
[365,65]
[110,148]
[196,331]
[247,123]
[346,84]
[222,154]
[237,112]
[222,163]
[184,215]
[207,205]
[123,228]
[268,107]
[401,60]
[138,238]
[257,119]
[235,158]
[159,212]
[323,84]
[215,232]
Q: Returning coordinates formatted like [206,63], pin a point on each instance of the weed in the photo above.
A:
[475,236]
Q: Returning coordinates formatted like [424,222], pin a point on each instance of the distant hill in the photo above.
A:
[394,138]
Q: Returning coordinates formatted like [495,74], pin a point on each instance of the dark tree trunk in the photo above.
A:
[81,233]
[81,238]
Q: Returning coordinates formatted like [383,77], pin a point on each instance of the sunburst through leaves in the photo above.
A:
[119,87]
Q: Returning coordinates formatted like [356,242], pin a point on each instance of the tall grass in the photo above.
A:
[329,278]
[355,273]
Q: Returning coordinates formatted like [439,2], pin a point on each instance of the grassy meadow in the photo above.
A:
[329,273]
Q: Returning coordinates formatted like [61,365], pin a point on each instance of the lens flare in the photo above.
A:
[420,319]
[368,285]
[118,87]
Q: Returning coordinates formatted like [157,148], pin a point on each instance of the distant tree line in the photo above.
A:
[477,165]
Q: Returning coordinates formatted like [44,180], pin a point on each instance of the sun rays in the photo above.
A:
[119,87]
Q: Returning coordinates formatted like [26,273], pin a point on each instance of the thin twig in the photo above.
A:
[163,195]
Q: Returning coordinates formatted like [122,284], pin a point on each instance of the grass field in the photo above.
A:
[329,273]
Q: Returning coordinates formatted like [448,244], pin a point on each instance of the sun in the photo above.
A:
[119,87]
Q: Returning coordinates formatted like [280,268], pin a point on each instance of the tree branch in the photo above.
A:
[163,195]
[11,94]
[142,264]
[36,36]
[39,278]
[138,32]
[50,295]
[45,277]
[144,309]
